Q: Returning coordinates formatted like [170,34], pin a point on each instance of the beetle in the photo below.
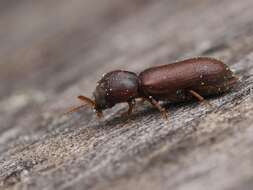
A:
[180,81]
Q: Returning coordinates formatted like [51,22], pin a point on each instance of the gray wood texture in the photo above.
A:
[52,51]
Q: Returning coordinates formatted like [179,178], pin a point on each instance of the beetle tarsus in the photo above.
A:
[99,114]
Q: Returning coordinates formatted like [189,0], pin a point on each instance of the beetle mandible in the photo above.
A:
[181,81]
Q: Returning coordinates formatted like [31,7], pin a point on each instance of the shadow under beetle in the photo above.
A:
[185,80]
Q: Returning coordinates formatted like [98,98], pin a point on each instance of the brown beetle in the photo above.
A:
[180,81]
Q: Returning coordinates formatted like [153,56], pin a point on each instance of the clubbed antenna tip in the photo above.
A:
[88,102]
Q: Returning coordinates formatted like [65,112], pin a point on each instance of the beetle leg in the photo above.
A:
[199,97]
[157,106]
[196,95]
[131,105]
[99,114]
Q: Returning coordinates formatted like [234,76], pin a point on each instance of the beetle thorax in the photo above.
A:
[116,87]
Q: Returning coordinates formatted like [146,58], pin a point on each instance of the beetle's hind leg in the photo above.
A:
[156,104]
[199,97]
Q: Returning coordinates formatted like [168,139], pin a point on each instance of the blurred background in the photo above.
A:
[47,47]
[50,39]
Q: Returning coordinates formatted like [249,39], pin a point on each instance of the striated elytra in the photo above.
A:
[185,80]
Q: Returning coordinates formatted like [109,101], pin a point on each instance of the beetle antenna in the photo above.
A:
[88,102]
[74,109]
[92,104]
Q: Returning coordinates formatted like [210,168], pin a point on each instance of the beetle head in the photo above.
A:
[114,87]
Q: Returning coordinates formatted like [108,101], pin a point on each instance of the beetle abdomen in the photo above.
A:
[205,75]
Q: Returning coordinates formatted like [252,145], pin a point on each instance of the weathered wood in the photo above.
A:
[52,52]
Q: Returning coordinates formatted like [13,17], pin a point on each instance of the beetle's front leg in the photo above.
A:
[131,105]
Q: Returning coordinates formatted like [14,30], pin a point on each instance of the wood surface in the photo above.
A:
[52,51]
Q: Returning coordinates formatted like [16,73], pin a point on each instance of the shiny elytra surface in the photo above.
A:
[205,75]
